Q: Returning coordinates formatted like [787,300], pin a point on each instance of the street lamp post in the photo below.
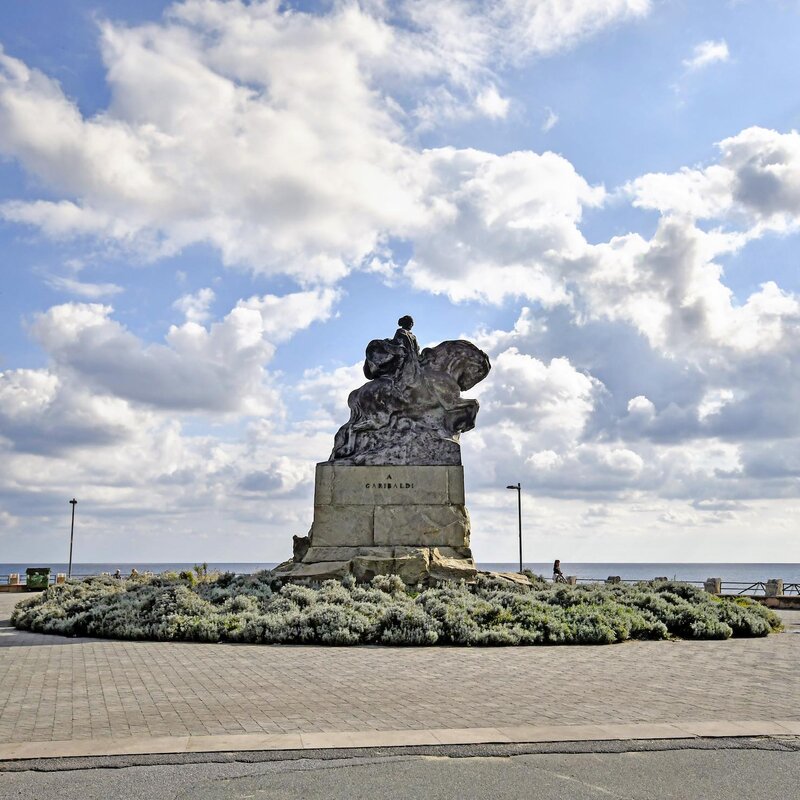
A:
[518,488]
[73,503]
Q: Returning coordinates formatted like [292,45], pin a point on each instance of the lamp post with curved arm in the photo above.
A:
[518,488]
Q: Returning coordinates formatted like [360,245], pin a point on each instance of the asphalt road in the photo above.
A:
[711,770]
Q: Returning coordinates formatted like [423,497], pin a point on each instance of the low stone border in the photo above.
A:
[13,751]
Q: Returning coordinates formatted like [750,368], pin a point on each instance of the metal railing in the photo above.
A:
[756,588]
[749,588]
[743,587]
[5,579]
[726,587]
[634,581]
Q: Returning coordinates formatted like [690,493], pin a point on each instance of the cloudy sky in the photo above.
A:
[208,208]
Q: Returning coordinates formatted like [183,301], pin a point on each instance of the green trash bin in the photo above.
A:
[37,577]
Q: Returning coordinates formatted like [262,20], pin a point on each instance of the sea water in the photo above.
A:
[733,572]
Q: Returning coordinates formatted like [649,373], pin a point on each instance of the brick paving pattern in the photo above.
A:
[53,688]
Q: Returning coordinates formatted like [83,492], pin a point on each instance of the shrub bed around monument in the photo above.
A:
[257,608]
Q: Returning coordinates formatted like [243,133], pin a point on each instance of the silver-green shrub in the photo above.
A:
[260,609]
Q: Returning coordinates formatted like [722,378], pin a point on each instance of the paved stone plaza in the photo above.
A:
[55,689]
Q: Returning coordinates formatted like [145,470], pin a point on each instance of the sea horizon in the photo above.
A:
[627,570]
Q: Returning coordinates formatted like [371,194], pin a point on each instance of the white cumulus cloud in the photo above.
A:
[214,369]
[195,306]
[305,165]
[706,53]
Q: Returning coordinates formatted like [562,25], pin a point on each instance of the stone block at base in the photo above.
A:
[429,525]
[447,568]
[314,554]
[509,577]
[410,563]
[321,571]
[414,565]
[336,526]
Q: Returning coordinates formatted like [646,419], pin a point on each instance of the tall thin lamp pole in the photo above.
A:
[518,487]
[73,503]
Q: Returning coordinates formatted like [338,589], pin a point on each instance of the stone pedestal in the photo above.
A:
[378,520]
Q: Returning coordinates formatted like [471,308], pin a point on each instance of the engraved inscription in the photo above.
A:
[389,485]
